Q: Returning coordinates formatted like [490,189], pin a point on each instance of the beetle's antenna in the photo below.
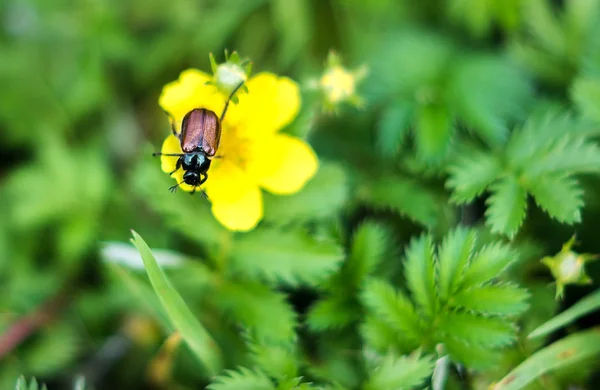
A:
[166,154]
[229,99]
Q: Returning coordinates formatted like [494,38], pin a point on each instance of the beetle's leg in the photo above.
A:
[229,99]
[203,179]
[193,190]
[177,166]
[174,188]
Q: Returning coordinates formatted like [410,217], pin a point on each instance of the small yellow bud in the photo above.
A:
[568,267]
[228,75]
[338,84]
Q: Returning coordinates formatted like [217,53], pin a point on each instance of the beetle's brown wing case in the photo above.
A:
[200,128]
[212,134]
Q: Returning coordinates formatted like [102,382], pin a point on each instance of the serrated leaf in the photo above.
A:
[584,306]
[406,197]
[478,330]
[369,245]
[500,299]
[33,384]
[453,257]
[192,331]
[586,94]
[393,125]
[470,176]
[256,306]
[331,313]
[433,131]
[420,273]
[560,196]
[379,334]
[488,263]
[243,379]
[278,360]
[392,306]
[322,197]
[472,356]
[506,206]
[567,155]
[394,373]
[580,348]
[291,257]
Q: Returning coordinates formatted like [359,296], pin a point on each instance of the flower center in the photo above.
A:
[233,147]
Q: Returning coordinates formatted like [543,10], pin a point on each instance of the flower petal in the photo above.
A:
[235,197]
[271,103]
[282,164]
[169,146]
[191,91]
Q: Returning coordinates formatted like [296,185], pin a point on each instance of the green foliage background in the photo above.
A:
[410,260]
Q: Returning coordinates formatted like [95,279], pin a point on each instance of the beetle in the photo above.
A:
[199,140]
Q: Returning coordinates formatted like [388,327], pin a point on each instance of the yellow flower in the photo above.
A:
[253,154]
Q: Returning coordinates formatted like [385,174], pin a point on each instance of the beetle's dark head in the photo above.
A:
[196,161]
[194,178]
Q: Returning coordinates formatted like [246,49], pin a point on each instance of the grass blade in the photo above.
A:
[578,347]
[584,306]
[192,331]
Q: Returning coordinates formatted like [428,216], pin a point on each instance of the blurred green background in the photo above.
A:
[79,119]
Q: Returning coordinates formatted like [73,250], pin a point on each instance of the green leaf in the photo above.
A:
[243,379]
[33,384]
[393,125]
[580,348]
[369,246]
[586,95]
[254,305]
[331,313]
[192,331]
[433,132]
[567,155]
[488,263]
[483,331]
[405,196]
[471,174]
[506,206]
[453,257]
[61,342]
[321,198]
[379,334]
[487,114]
[142,293]
[392,306]
[394,373]
[501,299]
[472,356]
[291,257]
[586,305]
[278,360]
[420,273]
[560,196]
